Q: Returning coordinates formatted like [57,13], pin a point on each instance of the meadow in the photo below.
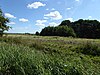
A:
[43,55]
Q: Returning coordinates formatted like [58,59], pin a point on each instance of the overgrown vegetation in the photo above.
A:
[37,55]
[89,49]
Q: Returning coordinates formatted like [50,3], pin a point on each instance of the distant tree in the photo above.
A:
[84,28]
[65,31]
[37,33]
[47,31]
[3,22]
[58,31]
[80,28]
[65,23]
[87,28]
[27,34]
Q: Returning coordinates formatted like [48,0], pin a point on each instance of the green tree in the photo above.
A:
[48,31]
[84,28]
[58,31]
[37,33]
[3,22]
[65,23]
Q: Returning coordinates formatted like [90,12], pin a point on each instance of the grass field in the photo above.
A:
[37,55]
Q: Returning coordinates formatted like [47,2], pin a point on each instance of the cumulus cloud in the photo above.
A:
[23,20]
[55,15]
[40,22]
[9,15]
[71,19]
[53,24]
[35,5]
[45,17]
[11,23]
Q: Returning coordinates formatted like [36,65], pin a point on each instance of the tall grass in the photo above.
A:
[46,56]
[89,48]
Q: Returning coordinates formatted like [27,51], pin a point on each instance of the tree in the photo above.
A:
[58,31]
[37,33]
[48,31]
[65,23]
[3,22]
[87,28]
[84,28]
[80,28]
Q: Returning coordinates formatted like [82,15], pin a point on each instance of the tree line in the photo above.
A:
[57,31]
[81,29]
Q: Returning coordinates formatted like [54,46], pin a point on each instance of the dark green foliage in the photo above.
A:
[3,22]
[48,31]
[37,33]
[27,34]
[65,22]
[81,28]
[89,49]
[58,31]
[84,28]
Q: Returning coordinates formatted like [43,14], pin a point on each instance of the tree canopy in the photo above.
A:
[81,28]
[84,28]
[58,31]
[3,22]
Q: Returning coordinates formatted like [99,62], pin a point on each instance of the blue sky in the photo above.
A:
[29,16]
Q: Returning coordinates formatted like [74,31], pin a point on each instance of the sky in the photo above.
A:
[29,16]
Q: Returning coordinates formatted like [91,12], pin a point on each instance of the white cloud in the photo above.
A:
[35,5]
[54,15]
[71,19]
[68,8]
[47,9]
[46,18]
[9,15]
[12,23]
[23,20]
[50,9]
[89,17]
[77,0]
[53,24]
[53,9]
[40,22]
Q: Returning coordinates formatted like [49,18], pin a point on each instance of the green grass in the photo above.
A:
[37,55]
